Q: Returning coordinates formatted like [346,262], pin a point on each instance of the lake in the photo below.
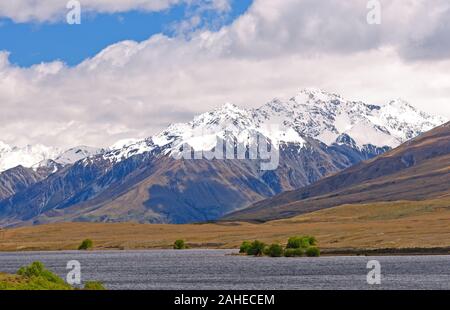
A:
[217,269]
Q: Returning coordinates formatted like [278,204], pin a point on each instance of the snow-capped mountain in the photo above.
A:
[77,153]
[316,114]
[327,117]
[316,134]
[12,156]
[35,156]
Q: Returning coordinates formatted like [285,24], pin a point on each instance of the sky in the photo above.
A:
[133,67]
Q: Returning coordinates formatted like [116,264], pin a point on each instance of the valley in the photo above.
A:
[413,226]
[354,197]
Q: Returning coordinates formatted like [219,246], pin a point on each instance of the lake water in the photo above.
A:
[216,269]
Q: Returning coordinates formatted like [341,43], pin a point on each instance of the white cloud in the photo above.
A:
[56,10]
[135,89]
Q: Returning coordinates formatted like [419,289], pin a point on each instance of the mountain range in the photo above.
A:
[315,133]
[416,171]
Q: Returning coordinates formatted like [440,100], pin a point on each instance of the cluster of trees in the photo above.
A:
[296,246]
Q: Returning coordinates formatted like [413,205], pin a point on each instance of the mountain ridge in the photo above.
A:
[311,113]
[140,180]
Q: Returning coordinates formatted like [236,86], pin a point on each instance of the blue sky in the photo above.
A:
[33,43]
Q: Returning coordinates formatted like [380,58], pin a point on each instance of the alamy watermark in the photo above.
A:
[73,16]
[74,275]
[374,275]
[374,14]
[221,144]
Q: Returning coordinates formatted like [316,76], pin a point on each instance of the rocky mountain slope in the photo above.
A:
[314,134]
[17,179]
[417,170]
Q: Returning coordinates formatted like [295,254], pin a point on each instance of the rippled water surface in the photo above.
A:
[217,269]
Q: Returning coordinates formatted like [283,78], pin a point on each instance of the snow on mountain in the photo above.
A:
[326,116]
[312,113]
[11,156]
[136,147]
[35,156]
[229,123]
[4,147]
[123,143]
[75,154]
[404,121]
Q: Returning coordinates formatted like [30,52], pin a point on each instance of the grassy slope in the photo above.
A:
[380,225]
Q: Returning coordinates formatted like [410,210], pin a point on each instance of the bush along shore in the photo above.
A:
[37,277]
[297,246]
[87,244]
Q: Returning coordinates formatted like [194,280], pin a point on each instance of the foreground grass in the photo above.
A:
[393,225]
[17,282]
[37,277]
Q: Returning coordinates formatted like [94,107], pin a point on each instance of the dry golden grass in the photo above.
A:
[11,278]
[372,226]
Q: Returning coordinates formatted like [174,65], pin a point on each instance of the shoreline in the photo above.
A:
[435,251]
[387,252]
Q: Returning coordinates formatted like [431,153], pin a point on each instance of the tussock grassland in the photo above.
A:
[389,225]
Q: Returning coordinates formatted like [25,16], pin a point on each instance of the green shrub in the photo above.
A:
[312,240]
[295,243]
[94,286]
[301,242]
[275,250]
[294,252]
[313,252]
[179,245]
[256,248]
[37,277]
[87,244]
[37,269]
[245,246]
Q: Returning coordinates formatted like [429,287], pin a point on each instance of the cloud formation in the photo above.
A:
[55,10]
[134,89]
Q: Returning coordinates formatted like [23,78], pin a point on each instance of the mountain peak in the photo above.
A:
[315,94]
[401,104]
[124,142]
[4,147]
[229,107]
[77,153]
[228,114]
